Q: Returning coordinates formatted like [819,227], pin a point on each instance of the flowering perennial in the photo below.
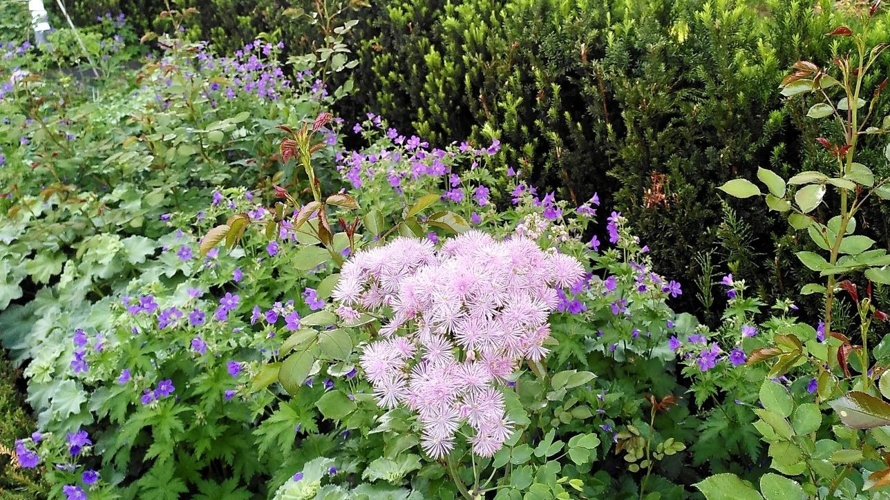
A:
[463,318]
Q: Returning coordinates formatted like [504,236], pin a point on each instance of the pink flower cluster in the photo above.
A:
[462,319]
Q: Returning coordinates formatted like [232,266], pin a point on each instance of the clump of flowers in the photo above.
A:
[464,316]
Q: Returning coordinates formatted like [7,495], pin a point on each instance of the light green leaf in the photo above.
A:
[422,203]
[138,248]
[310,257]
[740,188]
[779,424]
[811,288]
[265,376]
[326,287]
[45,265]
[778,204]
[809,197]
[798,87]
[320,318]
[808,177]
[806,419]
[776,487]
[847,456]
[860,174]
[775,397]
[820,110]
[800,221]
[844,104]
[373,222]
[876,274]
[855,244]
[842,183]
[819,238]
[813,260]
[295,370]
[335,405]
[336,344]
[727,487]
[884,384]
[883,191]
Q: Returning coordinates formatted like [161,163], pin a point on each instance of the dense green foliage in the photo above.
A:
[183,235]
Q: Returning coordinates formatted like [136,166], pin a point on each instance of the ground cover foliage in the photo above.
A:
[221,281]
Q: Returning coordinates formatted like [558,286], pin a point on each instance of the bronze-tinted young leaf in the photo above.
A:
[343,200]
[212,238]
[238,224]
[785,363]
[762,354]
[862,411]
[849,287]
[843,353]
[306,213]
[841,31]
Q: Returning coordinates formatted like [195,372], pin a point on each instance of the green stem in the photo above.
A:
[452,471]
[648,450]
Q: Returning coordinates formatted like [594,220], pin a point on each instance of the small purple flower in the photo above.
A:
[90,477]
[148,396]
[217,198]
[271,316]
[297,477]
[812,386]
[124,376]
[28,459]
[196,317]
[79,364]
[195,292]
[77,441]
[73,492]
[475,218]
[36,437]
[310,295]
[256,315]
[328,384]
[820,331]
[272,248]
[292,321]
[748,331]
[234,368]
[352,373]
[610,283]
[199,345]
[184,253]
[229,301]
[80,338]
[708,358]
[674,343]
[696,339]
[594,244]
[166,217]
[731,293]
[727,280]
[737,357]
[332,471]
[165,388]
[228,394]
[673,288]
[237,275]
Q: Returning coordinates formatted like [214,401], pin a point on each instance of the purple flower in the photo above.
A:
[228,394]
[124,376]
[272,248]
[696,339]
[77,441]
[234,368]
[737,357]
[90,477]
[727,280]
[297,477]
[292,321]
[147,304]
[168,316]
[352,373]
[672,288]
[199,345]
[594,244]
[310,295]
[80,338]
[256,315]
[196,317]
[73,492]
[820,331]
[332,471]
[674,343]
[708,358]
[812,386]
[166,217]
[229,301]
[271,316]
[610,283]
[237,275]
[165,388]
[328,384]
[432,237]
[731,293]
[36,437]
[194,292]
[481,195]
[475,218]
[748,331]
[184,253]
[78,364]
[148,396]
[28,459]
[217,197]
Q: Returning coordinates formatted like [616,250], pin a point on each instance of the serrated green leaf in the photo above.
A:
[424,202]
[879,275]
[806,419]
[855,244]
[809,197]
[813,260]
[775,397]
[808,177]
[860,174]
[335,405]
[740,188]
[820,110]
[335,344]
[727,486]
[780,205]
[776,487]
[295,370]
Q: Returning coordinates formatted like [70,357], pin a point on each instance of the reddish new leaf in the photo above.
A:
[841,31]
